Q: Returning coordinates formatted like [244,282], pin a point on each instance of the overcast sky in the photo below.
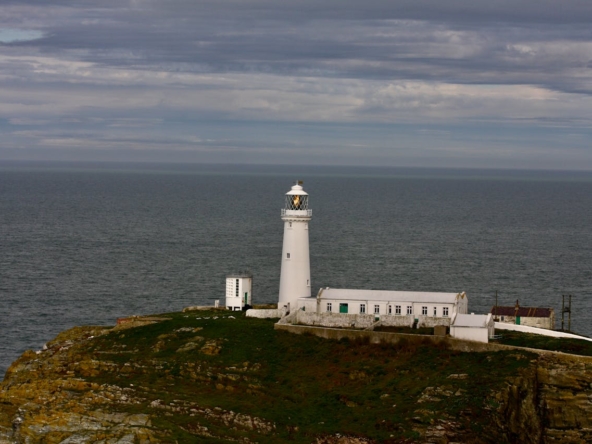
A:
[450,83]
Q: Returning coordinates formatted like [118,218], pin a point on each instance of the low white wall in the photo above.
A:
[266,313]
[343,320]
[538,331]
[397,321]
[431,321]
[334,320]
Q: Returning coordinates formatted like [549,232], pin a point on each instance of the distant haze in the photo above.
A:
[426,83]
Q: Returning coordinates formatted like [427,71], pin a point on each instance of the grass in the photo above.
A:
[322,387]
[566,345]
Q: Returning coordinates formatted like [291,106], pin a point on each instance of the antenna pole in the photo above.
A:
[495,316]
[569,315]
[562,311]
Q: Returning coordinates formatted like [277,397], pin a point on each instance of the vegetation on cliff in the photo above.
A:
[219,377]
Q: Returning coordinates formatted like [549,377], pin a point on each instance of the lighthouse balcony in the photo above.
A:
[301,213]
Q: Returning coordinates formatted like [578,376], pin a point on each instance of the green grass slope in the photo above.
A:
[199,365]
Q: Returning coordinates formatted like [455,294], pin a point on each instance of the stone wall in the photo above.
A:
[342,320]
[334,320]
[397,321]
[431,321]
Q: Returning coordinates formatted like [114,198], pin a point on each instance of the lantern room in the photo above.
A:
[296,202]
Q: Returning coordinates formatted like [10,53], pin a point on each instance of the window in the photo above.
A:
[236,289]
[409,309]
[290,224]
[377,309]
[445,311]
[424,310]
[362,308]
[329,306]
[390,309]
[435,311]
[397,309]
[287,255]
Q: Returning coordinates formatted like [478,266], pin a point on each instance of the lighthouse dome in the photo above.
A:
[297,190]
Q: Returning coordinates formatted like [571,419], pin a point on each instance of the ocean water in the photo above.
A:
[84,244]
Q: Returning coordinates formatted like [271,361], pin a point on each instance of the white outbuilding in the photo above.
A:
[239,291]
[473,327]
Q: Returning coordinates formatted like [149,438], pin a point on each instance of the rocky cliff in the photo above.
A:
[217,377]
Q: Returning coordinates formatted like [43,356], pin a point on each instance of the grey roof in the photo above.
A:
[245,274]
[390,296]
[470,320]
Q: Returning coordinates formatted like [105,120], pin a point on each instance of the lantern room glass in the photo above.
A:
[296,202]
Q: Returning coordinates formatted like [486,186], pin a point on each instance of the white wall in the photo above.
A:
[470,333]
[271,313]
[244,286]
[295,272]
[538,331]
[354,308]
[334,320]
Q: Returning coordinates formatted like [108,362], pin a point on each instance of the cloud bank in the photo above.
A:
[402,83]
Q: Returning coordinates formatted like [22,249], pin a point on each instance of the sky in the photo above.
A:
[405,83]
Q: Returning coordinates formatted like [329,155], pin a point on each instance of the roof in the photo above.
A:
[525,312]
[297,190]
[472,320]
[390,296]
[245,274]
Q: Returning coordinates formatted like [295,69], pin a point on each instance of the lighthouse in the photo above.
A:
[295,272]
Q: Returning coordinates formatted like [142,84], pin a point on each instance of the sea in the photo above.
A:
[87,243]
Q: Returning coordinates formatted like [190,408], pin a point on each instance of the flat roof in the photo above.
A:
[390,296]
[470,320]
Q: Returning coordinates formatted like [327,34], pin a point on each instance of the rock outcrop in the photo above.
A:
[130,385]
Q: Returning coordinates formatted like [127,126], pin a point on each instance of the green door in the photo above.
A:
[246,298]
[517,320]
[342,308]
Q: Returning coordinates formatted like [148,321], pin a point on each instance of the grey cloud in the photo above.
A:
[303,38]
[218,76]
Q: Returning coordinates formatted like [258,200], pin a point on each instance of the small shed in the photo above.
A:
[472,327]
[239,291]
[541,317]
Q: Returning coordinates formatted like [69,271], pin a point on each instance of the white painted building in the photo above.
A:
[472,327]
[239,291]
[394,308]
[295,272]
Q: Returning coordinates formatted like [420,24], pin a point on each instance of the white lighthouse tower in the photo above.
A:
[295,274]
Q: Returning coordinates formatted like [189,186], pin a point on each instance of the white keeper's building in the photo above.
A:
[396,308]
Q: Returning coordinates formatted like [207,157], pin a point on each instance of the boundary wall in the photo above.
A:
[376,337]
[342,320]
